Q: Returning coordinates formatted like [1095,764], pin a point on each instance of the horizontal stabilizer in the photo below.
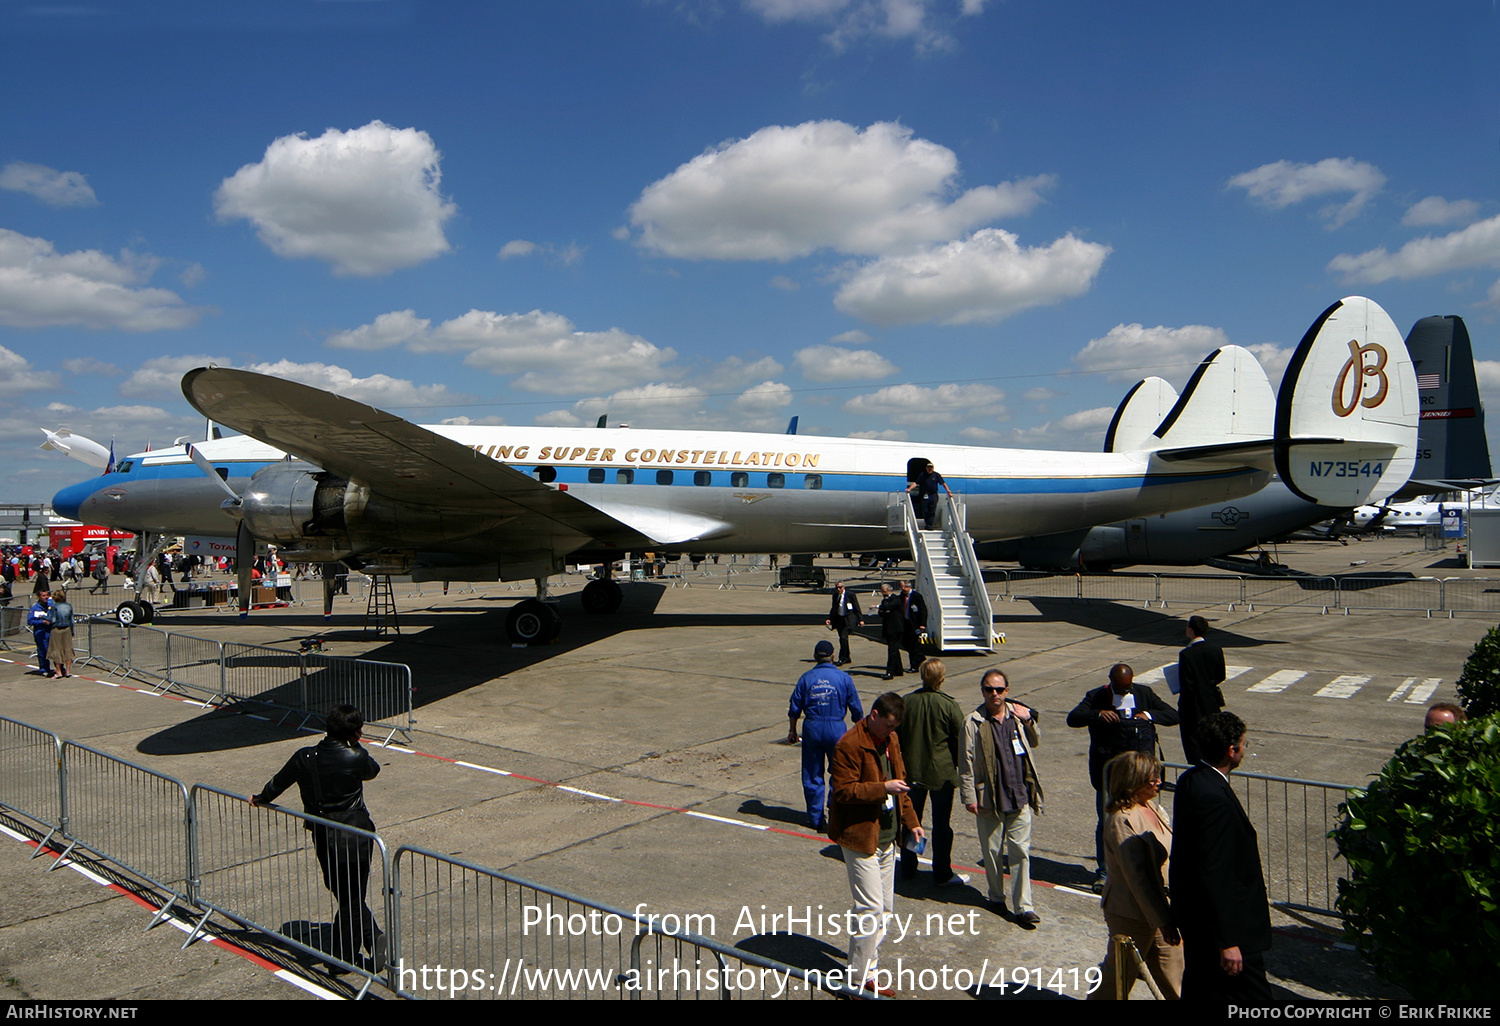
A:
[1351,378]
[1139,414]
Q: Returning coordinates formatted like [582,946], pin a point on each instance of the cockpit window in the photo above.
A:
[124,467]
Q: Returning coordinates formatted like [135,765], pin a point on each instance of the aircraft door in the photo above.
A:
[1135,539]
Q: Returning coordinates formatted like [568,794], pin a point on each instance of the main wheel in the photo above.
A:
[148,612]
[533,622]
[601,596]
[130,613]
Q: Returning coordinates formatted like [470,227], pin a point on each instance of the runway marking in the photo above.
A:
[1231,672]
[1421,693]
[1278,682]
[725,819]
[587,794]
[1346,686]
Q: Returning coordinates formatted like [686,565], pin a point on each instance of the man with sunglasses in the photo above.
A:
[998,783]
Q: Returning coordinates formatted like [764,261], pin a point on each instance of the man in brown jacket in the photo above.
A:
[868,808]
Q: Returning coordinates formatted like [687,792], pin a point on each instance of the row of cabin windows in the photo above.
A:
[702,478]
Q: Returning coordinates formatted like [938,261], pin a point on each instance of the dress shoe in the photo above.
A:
[1029,920]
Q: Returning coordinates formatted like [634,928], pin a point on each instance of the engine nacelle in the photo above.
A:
[316,515]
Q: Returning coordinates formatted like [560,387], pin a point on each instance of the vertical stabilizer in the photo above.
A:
[1139,414]
[1346,414]
[1454,447]
[1228,399]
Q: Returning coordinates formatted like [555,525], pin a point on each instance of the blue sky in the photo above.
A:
[940,220]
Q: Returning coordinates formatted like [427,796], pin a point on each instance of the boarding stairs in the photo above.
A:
[960,617]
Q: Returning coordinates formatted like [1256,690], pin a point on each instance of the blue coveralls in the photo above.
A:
[40,620]
[821,696]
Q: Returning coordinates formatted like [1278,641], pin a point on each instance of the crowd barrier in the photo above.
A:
[277,871]
[31,774]
[285,876]
[1293,819]
[1430,595]
[306,684]
[467,931]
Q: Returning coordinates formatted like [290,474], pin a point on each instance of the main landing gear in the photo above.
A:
[132,613]
[535,621]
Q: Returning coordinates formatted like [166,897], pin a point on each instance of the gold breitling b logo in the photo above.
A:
[1355,368]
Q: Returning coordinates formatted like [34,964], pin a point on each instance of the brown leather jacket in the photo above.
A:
[859,790]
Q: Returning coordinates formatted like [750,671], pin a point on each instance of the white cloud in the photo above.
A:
[18,378]
[888,435]
[548,352]
[1488,373]
[1040,394]
[1492,298]
[788,191]
[764,398]
[161,376]
[517,248]
[1079,432]
[854,337]
[89,365]
[834,363]
[1478,245]
[1129,351]
[559,418]
[983,436]
[784,283]
[1272,359]
[366,201]
[1284,183]
[40,287]
[192,274]
[53,187]
[850,21]
[490,421]
[389,329]
[984,278]
[734,372]
[1434,210]
[919,406]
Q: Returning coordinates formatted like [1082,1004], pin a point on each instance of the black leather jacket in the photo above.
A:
[331,778]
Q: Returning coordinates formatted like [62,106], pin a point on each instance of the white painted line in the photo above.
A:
[731,822]
[1343,687]
[307,985]
[1074,890]
[1423,691]
[1405,686]
[485,769]
[1278,682]
[1151,676]
[1231,672]
[587,794]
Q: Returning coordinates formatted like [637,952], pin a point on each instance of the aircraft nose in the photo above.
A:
[69,501]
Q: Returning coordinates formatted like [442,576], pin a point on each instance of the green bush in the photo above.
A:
[1422,895]
[1479,686]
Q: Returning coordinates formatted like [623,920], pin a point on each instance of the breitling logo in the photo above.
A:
[1229,516]
[748,497]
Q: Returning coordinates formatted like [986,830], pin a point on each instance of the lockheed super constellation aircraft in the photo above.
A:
[326,478]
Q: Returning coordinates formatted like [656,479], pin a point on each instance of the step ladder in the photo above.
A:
[380,606]
[960,617]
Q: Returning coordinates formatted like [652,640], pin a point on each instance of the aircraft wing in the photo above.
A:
[395,457]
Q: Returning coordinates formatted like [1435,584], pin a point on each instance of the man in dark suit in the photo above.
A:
[913,624]
[1200,671]
[890,630]
[1121,717]
[843,616]
[1218,890]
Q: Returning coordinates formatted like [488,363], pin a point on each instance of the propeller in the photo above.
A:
[244,541]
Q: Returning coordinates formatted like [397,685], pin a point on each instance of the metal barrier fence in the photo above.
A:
[300,879]
[1420,594]
[309,684]
[13,626]
[31,774]
[465,930]
[1292,819]
[136,818]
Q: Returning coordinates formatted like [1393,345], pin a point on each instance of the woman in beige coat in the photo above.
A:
[1137,845]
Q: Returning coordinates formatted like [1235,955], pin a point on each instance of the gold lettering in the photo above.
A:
[682,455]
[577,452]
[500,452]
[736,457]
[765,458]
[811,459]
[647,455]
[1356,363]
[696,454]
[778,459]
[791,459]
[631,454]
[546,451]
[753,460]
[708,457]
[521,451]
[666,455]
[606,455]
[593,454]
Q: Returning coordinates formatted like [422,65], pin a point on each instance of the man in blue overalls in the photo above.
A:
[823,694]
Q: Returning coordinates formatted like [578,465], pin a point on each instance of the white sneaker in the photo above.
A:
[956,880]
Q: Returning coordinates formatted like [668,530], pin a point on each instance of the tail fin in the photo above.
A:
[1227,400]
[1453,451]
[1346,414]
[1138,415]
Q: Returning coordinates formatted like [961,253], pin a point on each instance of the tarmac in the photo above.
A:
[677,706]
